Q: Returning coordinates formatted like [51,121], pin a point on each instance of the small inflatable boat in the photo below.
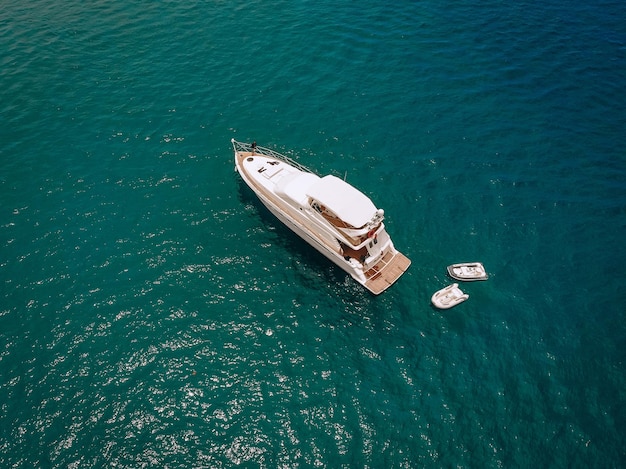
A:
[448,297]
[467,272]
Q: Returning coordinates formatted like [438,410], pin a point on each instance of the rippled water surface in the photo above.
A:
[154,314]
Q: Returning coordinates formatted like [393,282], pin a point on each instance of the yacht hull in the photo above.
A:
[267,174]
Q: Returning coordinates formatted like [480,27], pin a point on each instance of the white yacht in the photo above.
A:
[328,213]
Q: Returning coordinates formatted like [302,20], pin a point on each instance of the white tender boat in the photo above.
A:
[467,272]
[449,296]
[328,213]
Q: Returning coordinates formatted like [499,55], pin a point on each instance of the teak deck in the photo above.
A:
[386,272]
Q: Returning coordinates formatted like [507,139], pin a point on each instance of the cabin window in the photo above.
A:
[316,206]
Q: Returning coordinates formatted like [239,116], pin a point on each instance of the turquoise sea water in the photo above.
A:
[154,314]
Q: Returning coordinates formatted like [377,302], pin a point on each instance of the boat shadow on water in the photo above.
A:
[307,262]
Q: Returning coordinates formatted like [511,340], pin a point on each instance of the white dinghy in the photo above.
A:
[468,272]
[449,296]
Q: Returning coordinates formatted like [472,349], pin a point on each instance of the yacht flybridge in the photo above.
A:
[339,221]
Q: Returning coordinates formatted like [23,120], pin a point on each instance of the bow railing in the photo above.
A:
[259,150]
